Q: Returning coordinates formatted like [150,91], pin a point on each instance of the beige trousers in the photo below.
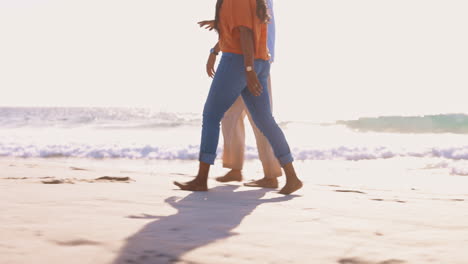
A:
[234,140]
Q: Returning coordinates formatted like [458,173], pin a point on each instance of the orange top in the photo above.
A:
[236,13]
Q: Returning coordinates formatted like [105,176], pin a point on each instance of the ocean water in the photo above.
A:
[139,133]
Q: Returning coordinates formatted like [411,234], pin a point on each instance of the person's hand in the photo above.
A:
[208,24]
[210,65]
[253,84]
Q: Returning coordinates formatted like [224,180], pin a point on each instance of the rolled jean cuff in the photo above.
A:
[207,158]
[286,159]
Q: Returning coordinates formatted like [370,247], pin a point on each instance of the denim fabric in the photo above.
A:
[230,82]
[271,31]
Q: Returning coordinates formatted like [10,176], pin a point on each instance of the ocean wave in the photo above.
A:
[459,171]
[96,117]
[190,152]
[146,119]
[456,167]
[443,123]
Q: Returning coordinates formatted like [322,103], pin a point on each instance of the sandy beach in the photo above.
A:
[105,104]
[366,212]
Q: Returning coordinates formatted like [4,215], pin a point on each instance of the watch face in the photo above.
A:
[248,68]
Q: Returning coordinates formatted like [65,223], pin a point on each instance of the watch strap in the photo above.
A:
[213,51]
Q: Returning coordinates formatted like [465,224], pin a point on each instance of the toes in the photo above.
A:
[180,185]
[288,189]
[191,187]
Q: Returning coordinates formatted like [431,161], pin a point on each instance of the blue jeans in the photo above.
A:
[230,82]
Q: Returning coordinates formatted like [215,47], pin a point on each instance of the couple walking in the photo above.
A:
[242,81]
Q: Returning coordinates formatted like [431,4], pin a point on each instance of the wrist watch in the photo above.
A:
[213,51]
[248,68]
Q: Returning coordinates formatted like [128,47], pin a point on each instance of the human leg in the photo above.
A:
[271,166]
[232,126]
[200,183]
[260,110]
[225,89]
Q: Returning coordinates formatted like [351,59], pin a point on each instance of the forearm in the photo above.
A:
[247,45]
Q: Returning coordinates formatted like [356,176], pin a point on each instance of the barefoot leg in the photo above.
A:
[232,175]
[192,186]
[292,182]
[200,183]
[266,182]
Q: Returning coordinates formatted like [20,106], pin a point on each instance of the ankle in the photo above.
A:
[291,176]
[271,179]
[292,180]
[235,173]
[200,179]
[199,182]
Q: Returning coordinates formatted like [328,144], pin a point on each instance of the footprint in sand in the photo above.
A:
[77,242]
[78,169]
[113,179]
[451,200]
[180,174]
[383,200]
[361,261]
[25,178]
[144,216]
[330,185]
[100,179]
[150,256]
[58,181]
[16,178]
[350,191]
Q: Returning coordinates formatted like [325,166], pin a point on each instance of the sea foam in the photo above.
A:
[190,152]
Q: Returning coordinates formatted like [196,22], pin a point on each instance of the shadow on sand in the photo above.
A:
[202,218]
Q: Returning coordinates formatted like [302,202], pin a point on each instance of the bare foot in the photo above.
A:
[233,175]
[263,183]
[192,186]
[291,186]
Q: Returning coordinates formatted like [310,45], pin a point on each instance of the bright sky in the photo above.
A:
[335,58]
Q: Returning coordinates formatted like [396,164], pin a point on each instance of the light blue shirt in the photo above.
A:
[271,31]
